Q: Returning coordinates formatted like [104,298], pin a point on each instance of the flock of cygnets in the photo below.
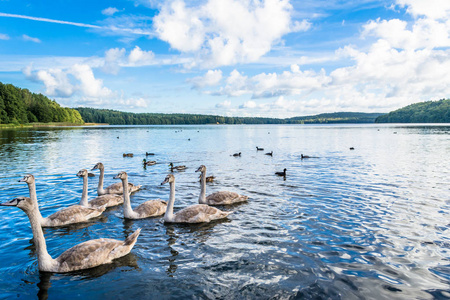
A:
[96,252]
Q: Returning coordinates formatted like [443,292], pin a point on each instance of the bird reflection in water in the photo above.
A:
[44,284]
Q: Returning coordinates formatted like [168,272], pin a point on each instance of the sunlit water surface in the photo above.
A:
[368,223]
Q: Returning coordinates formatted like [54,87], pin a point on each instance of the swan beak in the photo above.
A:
[12,202]
[199,169]
[165,181]
[22,180]
[116,177]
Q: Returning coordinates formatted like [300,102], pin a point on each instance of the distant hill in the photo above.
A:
[20,106]
[338,117]
[423,112]
[113,117]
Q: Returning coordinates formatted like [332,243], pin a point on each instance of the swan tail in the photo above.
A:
[131,240]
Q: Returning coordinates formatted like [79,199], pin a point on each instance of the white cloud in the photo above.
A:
[113,59]
[109,11]
[4,36]
[79,79]
[211,78]
[266,85]
[405,62]
[226,32]
[224,104]
[31,39]
[432,9]
[139,57]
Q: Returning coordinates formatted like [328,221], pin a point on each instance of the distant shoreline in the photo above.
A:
[52,124]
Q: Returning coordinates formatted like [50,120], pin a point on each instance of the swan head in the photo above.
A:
[202,168]
[169,178]
[27,178]
[122,175]
[24,203]
[98,166]
[82,173]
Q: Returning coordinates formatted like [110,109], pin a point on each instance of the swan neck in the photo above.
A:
[33,196]
[168,216]
[84,194]
[127,210]
[202,197]
[100,190]
[45,261]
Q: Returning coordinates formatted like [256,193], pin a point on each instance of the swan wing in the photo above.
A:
[109,200]
[199,213]
[225,197]
[117,188]
[95,252]
[72,214]
[151,208]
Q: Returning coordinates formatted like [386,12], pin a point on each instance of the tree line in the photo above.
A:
[20,106]
[113,117]
[423,112]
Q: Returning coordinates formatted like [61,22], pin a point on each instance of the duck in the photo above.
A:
[66,216]
[259,149]
[86,255]
[217,198]
[128,155]
[150,208]
[269,153]
[237,154]
[208,178]
[115,188]
[148,163]
[178,168]
[281,173]
[107,200]
[198,213]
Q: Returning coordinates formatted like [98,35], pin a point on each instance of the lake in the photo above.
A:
[368,223]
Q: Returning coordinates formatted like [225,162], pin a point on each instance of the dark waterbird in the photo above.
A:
[281,173]
[269,153]
[259,149]
[149,153]
[237,154]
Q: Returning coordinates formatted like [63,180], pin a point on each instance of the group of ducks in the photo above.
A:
[96,252]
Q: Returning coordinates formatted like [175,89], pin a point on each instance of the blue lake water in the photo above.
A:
[368,223]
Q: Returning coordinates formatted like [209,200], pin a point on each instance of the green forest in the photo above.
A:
[20,106]
[423,112]
[113,117]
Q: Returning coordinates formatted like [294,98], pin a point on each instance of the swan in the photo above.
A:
[82,256]
[115,188]
[281,173]
[217,198]
[198,213]
[108,200]
[69,215]
[178,168]
[150,208]
[148,163]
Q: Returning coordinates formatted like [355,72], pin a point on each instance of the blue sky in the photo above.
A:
[274,58]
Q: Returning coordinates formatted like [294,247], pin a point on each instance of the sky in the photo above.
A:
[267,58]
